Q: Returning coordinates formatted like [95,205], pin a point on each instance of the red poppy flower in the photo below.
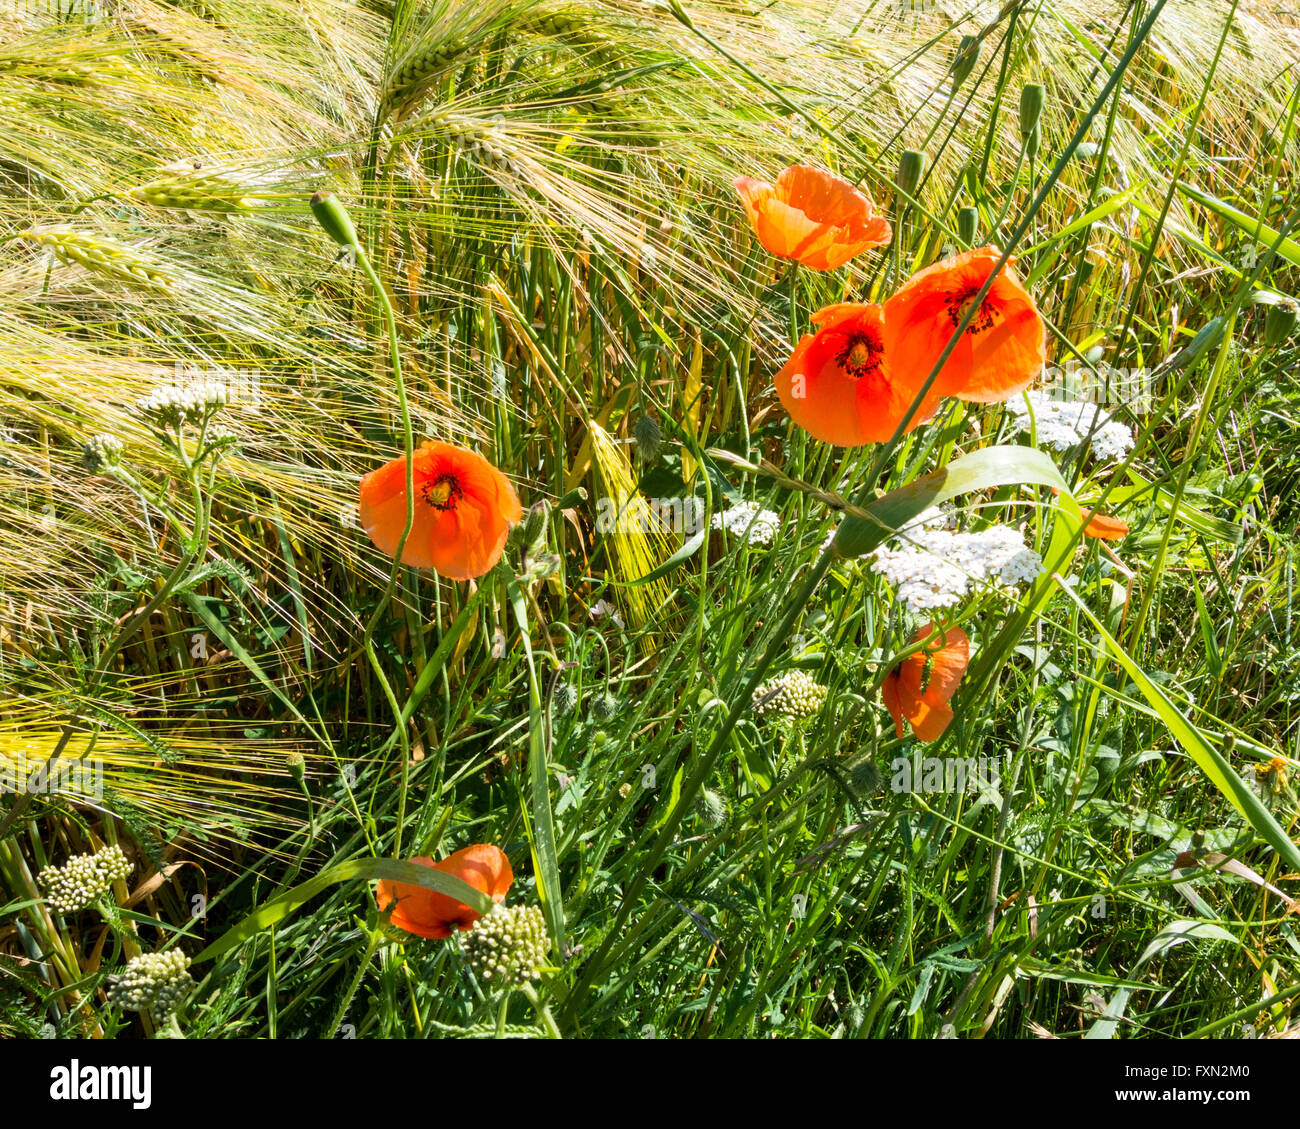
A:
[1000,352]
[841,385]
[812,217]
[919,688]
[463,510]
[426,913]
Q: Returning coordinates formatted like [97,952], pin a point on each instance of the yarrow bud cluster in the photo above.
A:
[83,879]
[172,404]
[936,568]
[1062,424]
[101,451]
[749,520]
[793,694]
[509,945]
[157,981]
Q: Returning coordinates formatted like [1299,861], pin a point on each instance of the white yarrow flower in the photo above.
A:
[1062,424]
[937,568]
[749,520]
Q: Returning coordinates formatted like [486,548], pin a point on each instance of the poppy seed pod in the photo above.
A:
[968,222]
[911,166]
[1032,98]
[963,62]
[333,217]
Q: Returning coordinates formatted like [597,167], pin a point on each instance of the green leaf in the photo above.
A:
[980,470]
[1197,746]
[1176,934]
[1288,249]
[392,870]
[541,825]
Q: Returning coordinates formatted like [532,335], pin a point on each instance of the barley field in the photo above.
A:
[637,519]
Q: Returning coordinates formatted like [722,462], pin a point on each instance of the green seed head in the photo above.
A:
[968,224]
[911,165]
[1032,98]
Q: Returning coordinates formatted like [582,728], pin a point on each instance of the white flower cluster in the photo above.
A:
[793,694]
[158,981]
[509,944]
[1062,424]
[172,404]
[83,879]
[936,568]
[749,520]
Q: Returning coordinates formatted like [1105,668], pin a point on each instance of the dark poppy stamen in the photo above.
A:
[861,355]
[443,493]
[957,303]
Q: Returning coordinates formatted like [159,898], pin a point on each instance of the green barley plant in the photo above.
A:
[251,252]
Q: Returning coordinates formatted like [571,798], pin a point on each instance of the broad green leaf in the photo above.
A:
[980,470]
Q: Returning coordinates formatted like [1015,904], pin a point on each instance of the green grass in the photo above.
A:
[544,193]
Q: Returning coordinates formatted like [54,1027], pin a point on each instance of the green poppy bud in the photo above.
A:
[968,223]
[910,167]
[1033,143]
[963,62]
[1032,98]
[333,217]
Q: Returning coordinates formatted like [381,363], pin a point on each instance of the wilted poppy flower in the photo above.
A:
[812,217]
[841,385]
[426,913]
[463,510]
[1100,526]
[919,688]
[1002,349]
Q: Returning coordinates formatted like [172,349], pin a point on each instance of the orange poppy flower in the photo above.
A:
[919,688]
[463,510]
[1001,351]
[812,217]
[840,384]
[426,913]
[1100,526]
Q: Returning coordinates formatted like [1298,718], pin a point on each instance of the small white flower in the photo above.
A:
[937,568]
[498,643]
[1062,424]
[602,608]
[749,520]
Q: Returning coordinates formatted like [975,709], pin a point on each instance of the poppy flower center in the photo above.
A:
[860,355]
[443,493]
[959,302]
